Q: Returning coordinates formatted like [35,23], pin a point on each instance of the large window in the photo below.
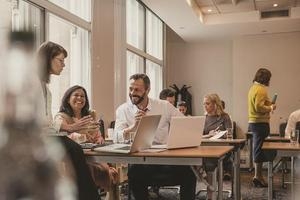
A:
[26,16]
[144,33]
[62,30]
[77,71]
[80,8]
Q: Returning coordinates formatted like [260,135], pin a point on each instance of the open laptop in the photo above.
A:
[143,137]
[184,132]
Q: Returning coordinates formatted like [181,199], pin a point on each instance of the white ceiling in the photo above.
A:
[192,21]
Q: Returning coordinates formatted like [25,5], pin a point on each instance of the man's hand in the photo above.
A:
[138,116]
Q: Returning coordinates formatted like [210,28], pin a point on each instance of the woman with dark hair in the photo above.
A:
[74,106]
[51,60]
[259,109]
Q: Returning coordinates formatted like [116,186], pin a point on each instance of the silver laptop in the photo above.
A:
[184,132]
[143,137]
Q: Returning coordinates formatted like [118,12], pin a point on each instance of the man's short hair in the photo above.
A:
[166,93]
[144,77]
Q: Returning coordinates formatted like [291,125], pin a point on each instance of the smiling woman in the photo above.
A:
[76,117]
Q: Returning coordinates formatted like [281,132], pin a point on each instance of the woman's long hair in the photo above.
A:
[66,107]
[215,99]
[46,52]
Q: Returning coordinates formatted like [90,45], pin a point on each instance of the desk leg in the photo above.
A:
[292,177]
[214,184]
[236,175]
[220,183]
[270,180]
[250,153]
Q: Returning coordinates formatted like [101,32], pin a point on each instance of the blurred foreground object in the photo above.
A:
[29,166]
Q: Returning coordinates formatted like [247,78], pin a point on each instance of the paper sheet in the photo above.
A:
[218,135]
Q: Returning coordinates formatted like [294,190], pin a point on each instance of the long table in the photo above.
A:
[238,144]
[187,156]
[283,149]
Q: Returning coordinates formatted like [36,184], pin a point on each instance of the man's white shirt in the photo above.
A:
[125,117]
[291,124]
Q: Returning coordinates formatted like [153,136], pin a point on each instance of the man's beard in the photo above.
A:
[141,98]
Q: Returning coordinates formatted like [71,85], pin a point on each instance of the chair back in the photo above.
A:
[282,127]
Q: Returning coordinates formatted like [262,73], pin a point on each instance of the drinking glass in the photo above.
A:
[229,134]
[294,136]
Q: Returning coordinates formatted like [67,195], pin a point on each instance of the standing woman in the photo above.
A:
[259,108]
[51,60]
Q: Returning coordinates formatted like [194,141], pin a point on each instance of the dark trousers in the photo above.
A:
[142,176]
[260,131]
[86,187]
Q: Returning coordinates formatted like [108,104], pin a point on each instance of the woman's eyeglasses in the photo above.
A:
[62,61]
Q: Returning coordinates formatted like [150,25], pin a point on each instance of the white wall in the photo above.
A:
[228,68]
[281,54]
[207,67]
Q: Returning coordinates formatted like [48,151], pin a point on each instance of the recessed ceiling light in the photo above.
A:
[209,10]
[275,5]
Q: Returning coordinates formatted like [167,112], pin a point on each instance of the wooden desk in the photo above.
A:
[188,156]
[283,149]
[238,144]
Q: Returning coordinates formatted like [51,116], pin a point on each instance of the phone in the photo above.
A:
[274,98]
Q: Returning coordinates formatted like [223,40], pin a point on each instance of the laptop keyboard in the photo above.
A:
[92,146]
[124,148]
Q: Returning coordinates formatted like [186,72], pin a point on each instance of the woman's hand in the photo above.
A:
[95,137]
[80,124]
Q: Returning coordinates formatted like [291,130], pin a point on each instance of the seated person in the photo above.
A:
[127,119]
[169,95]
[74,107]
[216,119]
[182,107]
[292,121]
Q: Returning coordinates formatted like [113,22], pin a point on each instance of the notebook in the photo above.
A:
[143,137]
[184,132]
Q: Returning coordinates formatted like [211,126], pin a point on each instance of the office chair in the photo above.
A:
[283,161]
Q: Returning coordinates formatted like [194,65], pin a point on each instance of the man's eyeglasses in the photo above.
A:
[62,61]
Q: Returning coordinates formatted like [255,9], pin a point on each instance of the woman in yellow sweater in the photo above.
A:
[259,109]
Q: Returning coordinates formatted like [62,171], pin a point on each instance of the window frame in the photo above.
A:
[143,53]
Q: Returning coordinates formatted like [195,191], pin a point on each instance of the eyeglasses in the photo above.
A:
[62,61]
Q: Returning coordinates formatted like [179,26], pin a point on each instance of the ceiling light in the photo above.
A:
[275,5]
[209,10]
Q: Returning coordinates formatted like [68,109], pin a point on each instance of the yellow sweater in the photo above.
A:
[259,105]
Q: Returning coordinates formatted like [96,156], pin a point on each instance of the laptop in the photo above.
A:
[184,132]
[143,137]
